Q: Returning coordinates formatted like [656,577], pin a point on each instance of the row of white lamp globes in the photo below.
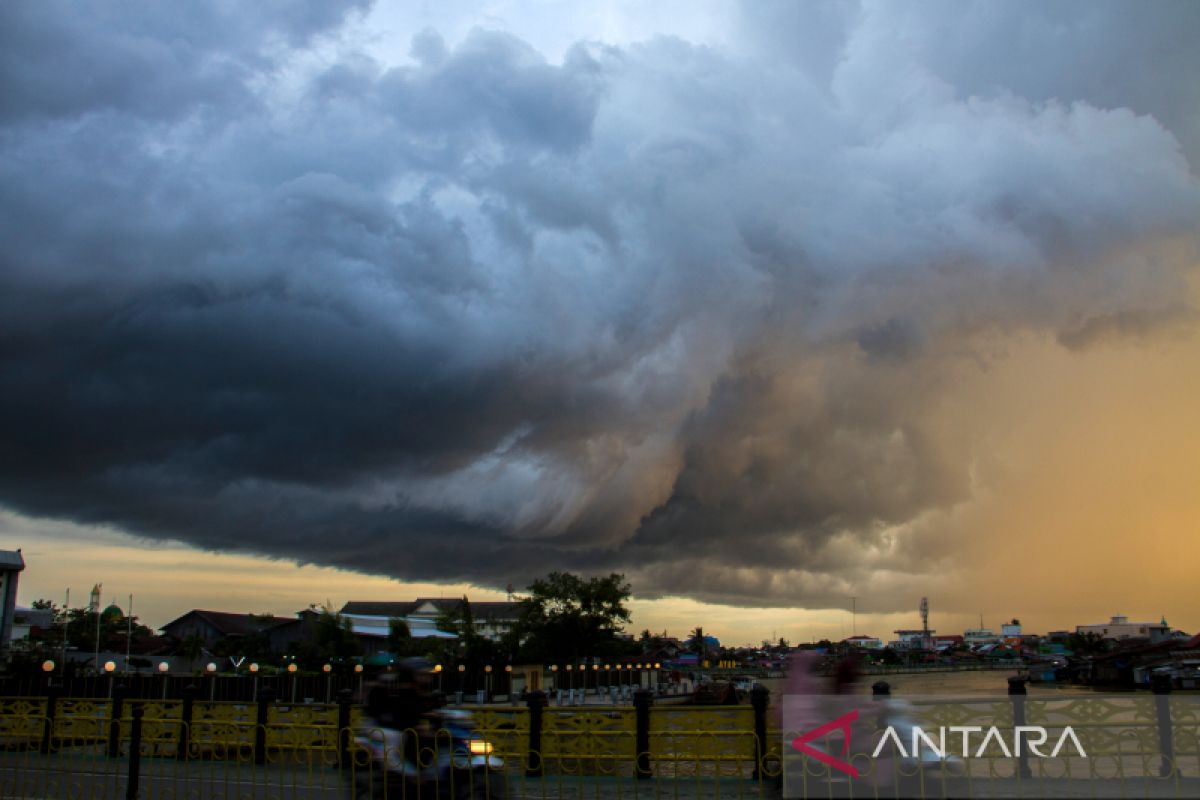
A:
[111,666]
[211,667]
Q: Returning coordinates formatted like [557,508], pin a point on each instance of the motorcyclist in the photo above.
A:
[400,701]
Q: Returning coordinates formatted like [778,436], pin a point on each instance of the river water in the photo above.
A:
[944,684]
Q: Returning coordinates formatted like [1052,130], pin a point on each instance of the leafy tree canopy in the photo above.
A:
[566,618]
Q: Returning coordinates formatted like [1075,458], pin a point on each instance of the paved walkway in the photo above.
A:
[29,776]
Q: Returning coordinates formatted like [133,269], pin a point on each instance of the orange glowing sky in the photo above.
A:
[1086,505]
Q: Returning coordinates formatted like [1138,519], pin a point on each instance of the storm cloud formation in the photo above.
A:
[684,311]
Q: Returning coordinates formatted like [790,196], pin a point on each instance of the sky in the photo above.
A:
[764,305]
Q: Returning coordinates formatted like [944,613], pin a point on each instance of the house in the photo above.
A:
[947,642]
[974,637]
[1010,632]
[908,639]
[371,619]
[1119,627]
[864,642]
[213,626]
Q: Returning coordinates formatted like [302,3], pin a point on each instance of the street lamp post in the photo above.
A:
[254,672]
[109,667]
[292,671]
[328,670]
[211,669]
[487,691]
[163,667]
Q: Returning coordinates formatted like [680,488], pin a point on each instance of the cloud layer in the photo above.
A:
[686,311]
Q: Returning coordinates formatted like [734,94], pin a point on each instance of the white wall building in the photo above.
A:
[1010,630]
[973,637]
[865,642]
[11,564]
[1119,627]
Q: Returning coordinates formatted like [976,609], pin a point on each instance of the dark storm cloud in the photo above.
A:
[659,308]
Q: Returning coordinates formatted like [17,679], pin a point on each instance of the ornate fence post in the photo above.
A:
[135,753]
[1017,693]
[343,698]
[265,698]
[114,721]
[642,700]
[1161,686]
[48,723]
[537,702]
[185,722]
[760,696]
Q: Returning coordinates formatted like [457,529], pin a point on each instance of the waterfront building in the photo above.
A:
[912,639]
[1119,627]
[974,637]
[865,642]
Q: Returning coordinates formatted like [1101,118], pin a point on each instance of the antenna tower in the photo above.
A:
[925,620]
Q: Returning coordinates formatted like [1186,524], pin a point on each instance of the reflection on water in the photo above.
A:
[945,684]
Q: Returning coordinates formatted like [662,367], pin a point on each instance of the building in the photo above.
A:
[11,565]
[865,642]
[1119,627]
[974,637]
[214,626]
[372,619]
[31,623]
[1011,630]
[909,639]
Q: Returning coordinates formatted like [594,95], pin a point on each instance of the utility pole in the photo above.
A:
[854,616]
[66,620]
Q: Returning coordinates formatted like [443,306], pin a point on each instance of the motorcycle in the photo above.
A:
[448,760]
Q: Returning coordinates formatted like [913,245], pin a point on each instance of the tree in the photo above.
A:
[192,646]
[566,618]
[399,639]
[333,639]
[1087,644]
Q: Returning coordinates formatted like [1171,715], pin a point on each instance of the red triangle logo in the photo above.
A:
[842,723]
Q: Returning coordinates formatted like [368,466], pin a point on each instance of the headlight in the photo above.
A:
[480,748]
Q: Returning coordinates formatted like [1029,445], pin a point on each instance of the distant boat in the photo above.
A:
[1045,670]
